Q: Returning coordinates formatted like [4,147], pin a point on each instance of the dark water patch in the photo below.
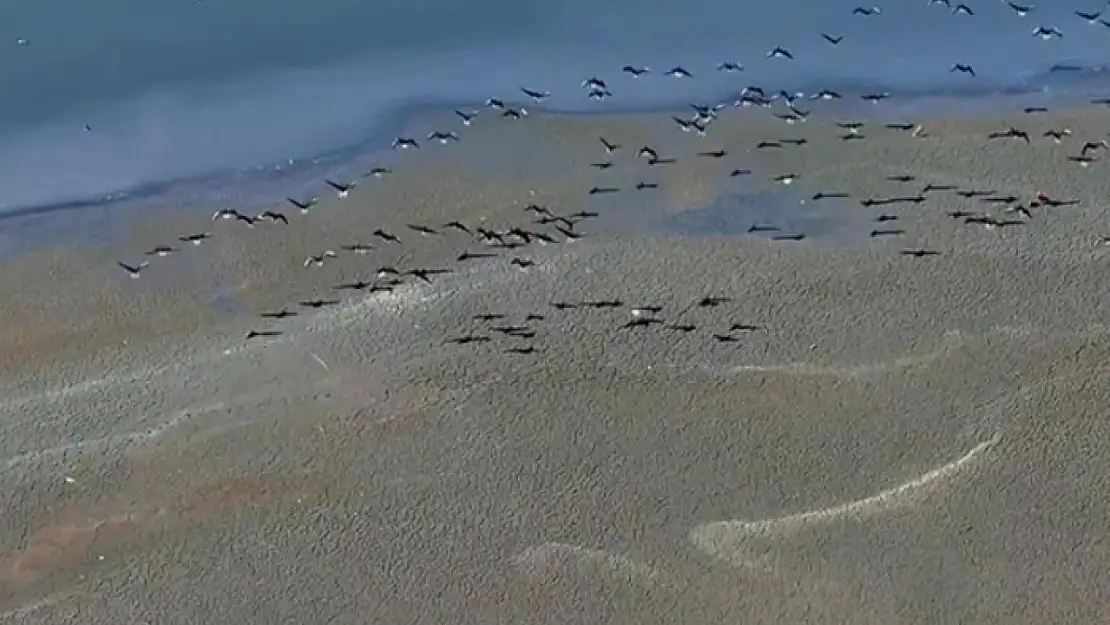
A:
[738,212]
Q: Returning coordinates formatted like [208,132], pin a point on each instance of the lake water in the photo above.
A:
[182,88]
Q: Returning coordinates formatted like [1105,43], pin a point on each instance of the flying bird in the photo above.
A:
[133,271]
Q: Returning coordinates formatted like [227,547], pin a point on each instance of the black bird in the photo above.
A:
[635,72]
[767,144]
[743,327]
[789,237]
[342,190]
[281,314]
[522,263]
[887,232]
[795,142]
[714,153]
[681,328]
[901,178]
[850,126]
[737,172]
[866,11]
[599,190]
[640,186]
[318,303]
[1021,11]
[852,136]
[303,206]
[424,230]
[885,218]
[602,165]
[195,239]
[962,8]
[729,66]
[533,317]
[385,236]
[648,152]
[443,137]
[468,338]
[225,213]
[660,161]
[357,285]
[961,67]
[488,316]
[1012,133]
[712,302]
[563,305]
[604,303]
[426,274]
[1047,32]
[377,172]
[537,96]
[821,195]
[680,72]
[260,334]
[609,147]
[247,219]
[580,215]
[134,270]
[725,338]
[466,117]
[569,234]
[874,98]
[357,248]
[1094,146]
[974,193]
[826,94]
[937,187]
[833,40]
[1057,135]
[1090,17]
[458,225]
[641,322]
[405,143]
[522,350]
[901,126]
[465,256]
[919,253]
[161,250]
[759,228]
[594,84]
[274,217]
[780,53]
[1029,110]
[495,104]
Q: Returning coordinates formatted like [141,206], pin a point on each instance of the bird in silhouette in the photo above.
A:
[920,252]
[318,303]
[1011,133]
[833,40]
[385,236]
[468,338]
[161,250]
[274,217]
[963,68]
[261,334]
[305,206]
[341,190]
[195,239]
[281,314]
[133,271]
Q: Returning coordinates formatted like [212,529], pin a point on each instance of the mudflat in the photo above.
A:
[894,439]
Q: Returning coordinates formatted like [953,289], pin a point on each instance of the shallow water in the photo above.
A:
[188,88]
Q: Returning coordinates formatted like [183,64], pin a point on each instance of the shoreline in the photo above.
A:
[243,187]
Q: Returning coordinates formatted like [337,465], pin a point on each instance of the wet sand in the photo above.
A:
[906,440]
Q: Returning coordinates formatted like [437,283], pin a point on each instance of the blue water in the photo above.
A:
[180,89]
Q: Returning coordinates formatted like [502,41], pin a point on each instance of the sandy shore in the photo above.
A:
[904,440]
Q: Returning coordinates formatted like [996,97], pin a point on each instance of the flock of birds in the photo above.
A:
[549,227]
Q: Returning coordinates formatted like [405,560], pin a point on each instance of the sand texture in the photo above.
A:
[899,439]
